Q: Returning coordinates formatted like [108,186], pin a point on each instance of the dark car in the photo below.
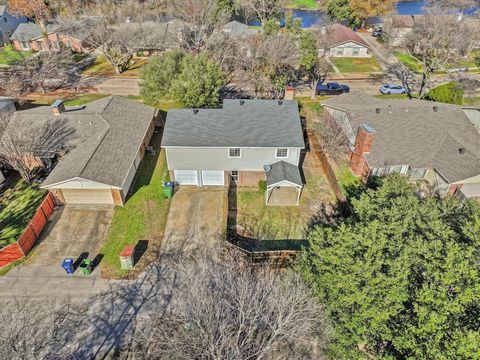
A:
[332,88]
[377,33]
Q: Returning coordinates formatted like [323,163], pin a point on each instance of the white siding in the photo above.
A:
[80,184]
[129,180]
[252,159]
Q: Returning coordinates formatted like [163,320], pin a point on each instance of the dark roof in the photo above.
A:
[256,123]
[26,32]
[338,34]
[411,132]
[108,134]
[284,171]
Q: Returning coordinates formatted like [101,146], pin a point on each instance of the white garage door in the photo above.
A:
[186,177]
[87,196]
[213,177]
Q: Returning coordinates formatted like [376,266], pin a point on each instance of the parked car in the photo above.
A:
[332,88]
[377,32]
[392,89]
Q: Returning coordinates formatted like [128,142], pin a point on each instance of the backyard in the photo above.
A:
[141,221]
[102,68]
[356,65]
[8,55]
[18,203]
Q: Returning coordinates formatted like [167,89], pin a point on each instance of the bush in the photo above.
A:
[262,185]
[449,93]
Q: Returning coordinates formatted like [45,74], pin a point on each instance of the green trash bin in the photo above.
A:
[168,189]
[86,266]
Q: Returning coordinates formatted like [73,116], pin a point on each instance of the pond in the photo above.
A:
[311,18]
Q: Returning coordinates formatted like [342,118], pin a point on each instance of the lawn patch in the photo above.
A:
[356,65]
[162,104]
[8,55]
[409,61]
[102,68]
[18,204]
[350,184]
[143,216]
[303,4]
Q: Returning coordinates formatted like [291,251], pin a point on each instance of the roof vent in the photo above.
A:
[435,108]
[280,102]
[267,168]
[195,111]
[377,110]
[242,102]
[461,151]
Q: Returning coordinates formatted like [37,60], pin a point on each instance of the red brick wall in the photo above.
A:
[363,145]
[117,197]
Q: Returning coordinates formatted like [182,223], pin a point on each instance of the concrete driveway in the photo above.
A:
[74,232]
[196,218]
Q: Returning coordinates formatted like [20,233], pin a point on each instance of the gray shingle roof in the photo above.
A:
[236,28]
[256,123]
[281,171]
[27,32]
[411,132]
[108,134]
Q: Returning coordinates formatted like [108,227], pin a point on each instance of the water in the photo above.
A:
[311,18]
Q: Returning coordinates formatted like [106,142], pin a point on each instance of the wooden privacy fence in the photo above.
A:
[25,242]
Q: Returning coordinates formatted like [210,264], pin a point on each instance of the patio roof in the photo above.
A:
[283,171]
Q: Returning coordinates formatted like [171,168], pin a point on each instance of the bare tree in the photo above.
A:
[199,20]
[33,330]
[45,70]
[29,148]
[262,10]
[120,42]
[224,309]
[333,140]
[15,86]
[408,78]
[436,40]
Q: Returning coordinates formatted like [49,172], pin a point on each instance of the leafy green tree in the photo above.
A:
[199,82]
[401,278]
[293,25]
[271,27]
[449,93]
[316,68]
[159,74]
[340,10]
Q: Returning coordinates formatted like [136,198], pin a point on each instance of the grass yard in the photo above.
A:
[162,104]
[409,61]
[142,218]
[303,4]
[18,204]
[356,65]
[103,69]
[8,55]
[70,99]
[281,224]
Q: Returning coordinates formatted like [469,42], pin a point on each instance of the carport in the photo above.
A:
[284,184]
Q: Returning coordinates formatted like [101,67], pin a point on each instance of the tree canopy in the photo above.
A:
[401,279]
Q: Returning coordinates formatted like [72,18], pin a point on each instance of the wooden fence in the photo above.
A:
[26,241]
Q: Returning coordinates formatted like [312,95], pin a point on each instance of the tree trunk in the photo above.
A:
[118,69]
[422,85]
[314,89]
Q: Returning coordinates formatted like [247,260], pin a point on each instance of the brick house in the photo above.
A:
[109,140]
[431,142]
[29,37]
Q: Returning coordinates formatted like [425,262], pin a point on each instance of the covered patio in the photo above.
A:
[284,184]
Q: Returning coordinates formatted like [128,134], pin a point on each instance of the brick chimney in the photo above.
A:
[363,145]
[289,93]
[58,107]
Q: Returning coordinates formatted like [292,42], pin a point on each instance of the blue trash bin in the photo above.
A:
[68,265]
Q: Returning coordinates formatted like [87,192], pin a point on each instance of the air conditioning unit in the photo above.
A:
[150,150]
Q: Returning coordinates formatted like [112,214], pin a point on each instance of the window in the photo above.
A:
[356,51]
[282,153]
[234,175]
[417,174]
[339,51]
[25,45]
[234,152]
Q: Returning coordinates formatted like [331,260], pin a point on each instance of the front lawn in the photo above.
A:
[102,68]
[142,218]
[8,55]
[409,61]
[18,203]
[70,99]
[356,65]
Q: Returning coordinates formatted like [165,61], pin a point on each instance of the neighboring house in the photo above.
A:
[342,41]
[7,103]
[109,140]
[237,29]
[432,142]
[245,141]
[8,24]
[30,37]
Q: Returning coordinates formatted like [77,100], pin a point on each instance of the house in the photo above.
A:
[30,37]
[8,24]
[109,140]
[244,142]
[342,41]
[432,142]
[240,30]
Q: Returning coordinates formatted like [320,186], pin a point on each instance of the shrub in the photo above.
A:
[449,93]
[262,185]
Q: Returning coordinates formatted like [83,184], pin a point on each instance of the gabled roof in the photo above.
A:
[236,28]
[240,123]
[422,134]
[26,32]
[337,34]
[284,171]
[107,135]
